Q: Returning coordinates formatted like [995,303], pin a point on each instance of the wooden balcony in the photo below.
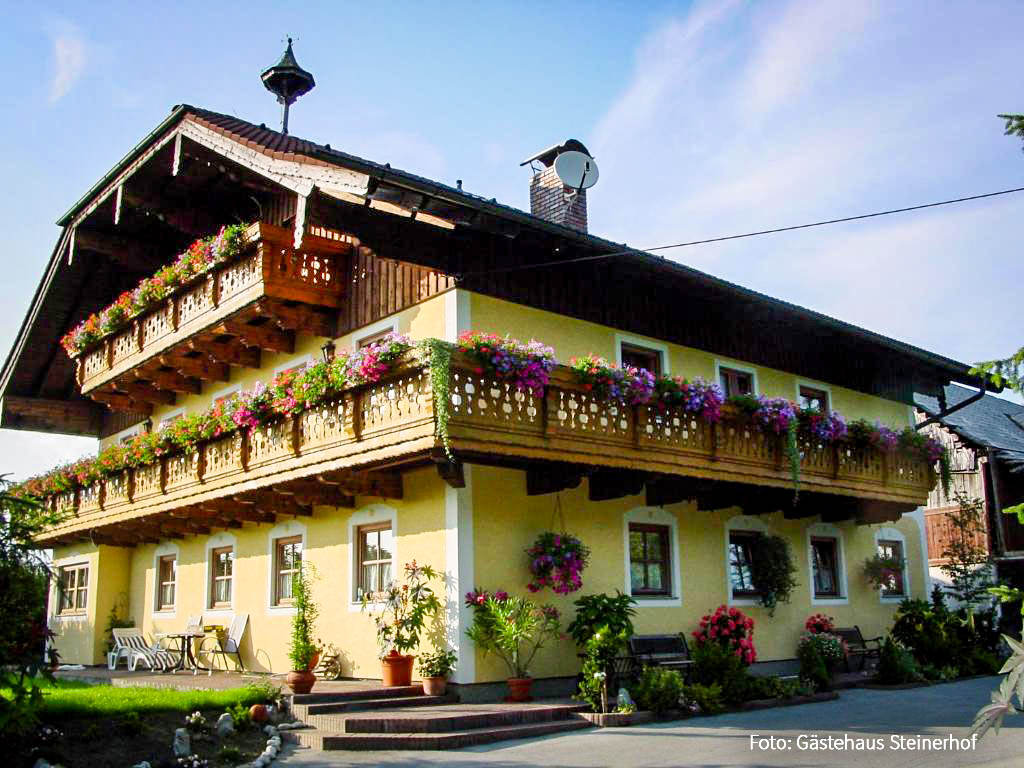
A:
[357,443]
[255,301]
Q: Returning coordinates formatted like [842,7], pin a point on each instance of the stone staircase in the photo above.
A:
[405,719]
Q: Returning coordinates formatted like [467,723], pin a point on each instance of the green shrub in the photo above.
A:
[131,724]
[981,662]
[708,698]
[595,611]
[599,655]
[933,635]
[240,714]
[714,664]
[772,571]
[896,666]
[813,669]
[658,689]
[229,755]
[769,687]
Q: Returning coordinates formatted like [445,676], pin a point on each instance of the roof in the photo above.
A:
[990,422]
[290,147]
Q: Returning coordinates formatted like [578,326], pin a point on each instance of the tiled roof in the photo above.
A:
[991,422]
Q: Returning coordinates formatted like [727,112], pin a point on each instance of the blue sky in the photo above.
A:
[706,119]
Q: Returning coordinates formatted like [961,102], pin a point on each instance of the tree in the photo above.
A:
[967,557]
[24,576]
[1014,125]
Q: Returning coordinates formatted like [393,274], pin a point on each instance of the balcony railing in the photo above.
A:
[392,422]
[290,281]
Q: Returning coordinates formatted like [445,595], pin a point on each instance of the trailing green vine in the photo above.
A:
[439,358]
[793,451]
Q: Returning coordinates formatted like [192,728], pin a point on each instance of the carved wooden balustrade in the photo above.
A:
[284,288]
[392,422]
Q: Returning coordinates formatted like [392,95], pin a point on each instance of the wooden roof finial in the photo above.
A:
[287,80]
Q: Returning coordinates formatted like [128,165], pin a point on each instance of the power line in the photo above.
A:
[642,251]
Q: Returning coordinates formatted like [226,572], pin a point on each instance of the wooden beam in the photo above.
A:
[145,393]
[451,472]
[133,254]
[266,336]
[314,492]
[606,484]
[171,381]
[269,502]
[387,485]
[200,367]
[67,417]
[302,318]
[226,352]
[119,401]
[552,478]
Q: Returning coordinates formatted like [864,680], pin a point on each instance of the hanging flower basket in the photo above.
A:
[556,561]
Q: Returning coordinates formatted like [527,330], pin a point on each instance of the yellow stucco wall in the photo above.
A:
[571,337]
[419,519]
[506,522]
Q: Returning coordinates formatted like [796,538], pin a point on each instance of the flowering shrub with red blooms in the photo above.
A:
[556,561]
[827,428]
[288,394]
[478,597]
[626,384]
[818,622]
[200,257]
[697,397]
[526,366]
[729,628]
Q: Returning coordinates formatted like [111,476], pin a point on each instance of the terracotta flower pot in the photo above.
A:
[300,681]
[396,670]
[258,713]
[519,689]
[435,686]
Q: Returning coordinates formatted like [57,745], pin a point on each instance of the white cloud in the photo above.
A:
[746,117]
[70,57]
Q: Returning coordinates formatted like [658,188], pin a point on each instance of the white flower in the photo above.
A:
[600,675]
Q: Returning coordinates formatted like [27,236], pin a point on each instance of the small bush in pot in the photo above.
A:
[434,669]
[514,629]
[303,651]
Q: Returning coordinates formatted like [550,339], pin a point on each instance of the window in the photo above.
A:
[649,572]
[641,357]
[221,573]
[813,399]
[890,548]
[373,338]
[74,588]
[374,567]
[219,398]
[287,564]
[736,382]
[741,557]
[825,564]
[167,579]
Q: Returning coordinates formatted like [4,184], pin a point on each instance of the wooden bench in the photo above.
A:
[670,651]
[858,645]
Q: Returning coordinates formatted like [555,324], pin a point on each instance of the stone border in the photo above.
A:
[622,720]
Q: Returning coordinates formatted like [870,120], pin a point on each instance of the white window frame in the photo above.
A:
[373,329]
[654,516]
[118,437]
[306,360]
[74,565]
[174,414]
[69,560]
[286,530]
[814,385]
[747,524]
[892,534]
[371,514]
[724,363]
[218,541]
[163,550]
[637,341]
[225,392]
[828,531]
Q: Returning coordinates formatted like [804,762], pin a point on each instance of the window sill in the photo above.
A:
[82,616]
[657,601]
[838,600]
[283,610]
[220,610]
[165,613]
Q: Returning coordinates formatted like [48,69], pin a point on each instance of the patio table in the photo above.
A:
[186,659]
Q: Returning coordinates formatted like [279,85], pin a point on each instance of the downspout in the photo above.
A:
[997,504]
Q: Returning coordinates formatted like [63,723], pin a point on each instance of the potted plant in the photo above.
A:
[404,613]
[435,668]
[514,629]
[302,649]
[883,572]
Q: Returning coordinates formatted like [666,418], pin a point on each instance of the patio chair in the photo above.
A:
[194,626]
[130,644]
[211,647]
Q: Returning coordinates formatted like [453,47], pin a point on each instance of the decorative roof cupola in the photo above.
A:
[287,80]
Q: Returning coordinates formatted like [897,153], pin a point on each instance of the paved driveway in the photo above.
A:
[937,711]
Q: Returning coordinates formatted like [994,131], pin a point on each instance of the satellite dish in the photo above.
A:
[577,170]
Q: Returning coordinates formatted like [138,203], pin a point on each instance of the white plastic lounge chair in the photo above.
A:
[211,647]
[131,645]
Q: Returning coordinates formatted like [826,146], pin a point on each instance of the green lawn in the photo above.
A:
[71,697]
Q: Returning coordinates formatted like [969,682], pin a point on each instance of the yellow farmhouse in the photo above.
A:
[448,465]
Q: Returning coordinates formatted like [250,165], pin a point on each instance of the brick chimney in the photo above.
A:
[550,199]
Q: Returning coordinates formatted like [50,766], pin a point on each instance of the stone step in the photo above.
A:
[304,711]
[325,740]
[446,719]
[378,692]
